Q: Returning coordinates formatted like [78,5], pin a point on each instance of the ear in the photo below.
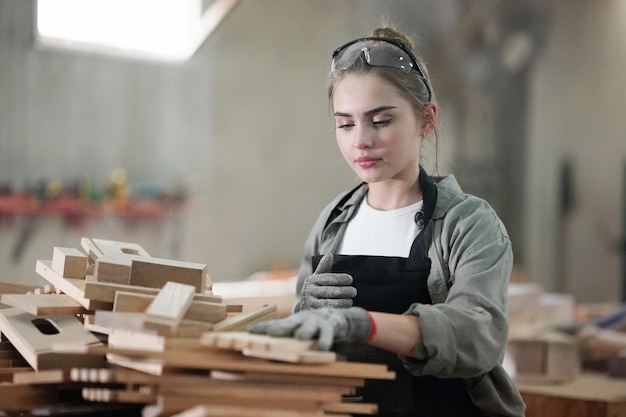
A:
[429,118]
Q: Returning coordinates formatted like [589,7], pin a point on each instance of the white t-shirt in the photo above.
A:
[381,233]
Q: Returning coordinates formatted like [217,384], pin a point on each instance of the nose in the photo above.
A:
[363,137]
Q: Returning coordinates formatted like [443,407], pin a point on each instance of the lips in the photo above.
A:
[366,161]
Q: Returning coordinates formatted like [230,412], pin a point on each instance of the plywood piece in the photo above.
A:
[267,347]
[70,286]
[169,307]
[242,411]
[198,310]
[114,267]
[156,272]
[98,247]
[241,321]
[51,376]
[242,340]
[44,303]
[293,357]
[266,377]
[69,262]
[105,292]
[37,337]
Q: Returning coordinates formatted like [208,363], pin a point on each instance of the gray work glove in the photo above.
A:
[326,289]
[327,325]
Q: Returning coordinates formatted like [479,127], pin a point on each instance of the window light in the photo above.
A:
[170,30]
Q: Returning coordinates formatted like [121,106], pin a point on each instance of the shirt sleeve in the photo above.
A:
[465,335]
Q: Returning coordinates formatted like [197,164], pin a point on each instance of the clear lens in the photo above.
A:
[376,53]
[379,52]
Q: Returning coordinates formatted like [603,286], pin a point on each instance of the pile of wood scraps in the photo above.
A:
[118,329]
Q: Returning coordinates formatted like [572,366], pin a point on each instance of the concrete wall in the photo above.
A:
[577,106]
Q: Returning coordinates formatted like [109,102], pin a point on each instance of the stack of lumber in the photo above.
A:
[116,330]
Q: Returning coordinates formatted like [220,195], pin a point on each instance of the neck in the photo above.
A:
[393,194]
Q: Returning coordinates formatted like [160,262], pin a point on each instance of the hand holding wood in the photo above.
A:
[327,325]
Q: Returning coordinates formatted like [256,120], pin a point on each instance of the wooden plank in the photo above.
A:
[106,322]
[199,358]
[98,247]
[267,347]
[114,267]
[293,357]
[265,377]
[44,303]
[50,376]
[198,310]
[10,288]
[36,338]
[69,262]
[241,321]
[244,340]
[215,410]
[70,286]
[156,272]
[170,306]
[105,292]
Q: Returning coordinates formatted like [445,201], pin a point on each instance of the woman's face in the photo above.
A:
[377,129]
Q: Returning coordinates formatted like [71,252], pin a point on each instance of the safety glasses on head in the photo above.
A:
[378,52]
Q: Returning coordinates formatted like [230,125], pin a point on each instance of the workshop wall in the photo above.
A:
[577,153]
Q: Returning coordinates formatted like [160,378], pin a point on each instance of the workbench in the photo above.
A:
[588,395]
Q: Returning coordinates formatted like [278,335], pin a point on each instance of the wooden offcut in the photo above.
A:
[170,306]
[38,337]
[114,267]
[106,291]
[44,303]
[198,310]
[241,321]
[70,286]
[95,248]
[156,272]
[69,262]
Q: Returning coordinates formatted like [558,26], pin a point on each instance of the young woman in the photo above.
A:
[405,269]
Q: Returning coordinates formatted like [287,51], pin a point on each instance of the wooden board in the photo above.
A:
[198,310]
[98,247]
[114,267]
[241,321]
[200,358]
[156,272]
[105,292]
[170,306]
[43,304]
[70,286]
[38,337]
[69,262]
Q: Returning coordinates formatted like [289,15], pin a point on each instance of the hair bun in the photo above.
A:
[394,35]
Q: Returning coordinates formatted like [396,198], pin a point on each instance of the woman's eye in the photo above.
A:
[344,125]
[379,123]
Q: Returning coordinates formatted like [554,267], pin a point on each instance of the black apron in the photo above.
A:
[392,284]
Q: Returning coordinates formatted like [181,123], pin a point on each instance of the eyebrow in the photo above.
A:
[367,113]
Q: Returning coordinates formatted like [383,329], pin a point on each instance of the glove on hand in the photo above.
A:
[326,289]
[327,325]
